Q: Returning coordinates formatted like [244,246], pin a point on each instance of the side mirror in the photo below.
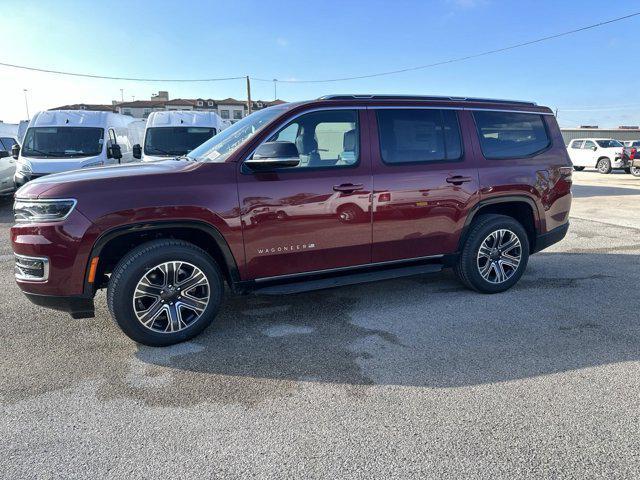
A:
[137,151]
[114,151]
[272,155]
[15,151]
[4,154]
[594,148]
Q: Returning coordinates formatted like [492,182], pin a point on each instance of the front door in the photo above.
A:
[317,215]
[424,181]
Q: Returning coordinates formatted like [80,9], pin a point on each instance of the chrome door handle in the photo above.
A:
[348,187]
[458,179]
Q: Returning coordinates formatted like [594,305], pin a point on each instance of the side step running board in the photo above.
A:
[349,279]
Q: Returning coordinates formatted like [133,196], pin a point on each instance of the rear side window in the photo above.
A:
[577,144]
[418,135]
[511,135]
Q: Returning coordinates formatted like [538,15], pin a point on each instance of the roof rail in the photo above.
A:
[422,97]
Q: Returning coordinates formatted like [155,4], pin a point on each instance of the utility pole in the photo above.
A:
[26,102]
[556,113]
[249,95]
[122,95]
[275,88]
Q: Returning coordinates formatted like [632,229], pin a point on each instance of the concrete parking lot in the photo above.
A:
[417,377]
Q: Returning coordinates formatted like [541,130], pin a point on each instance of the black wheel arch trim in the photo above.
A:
[498,200]
[109,235]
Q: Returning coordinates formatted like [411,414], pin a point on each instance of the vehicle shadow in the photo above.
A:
[584,191]
[423,331]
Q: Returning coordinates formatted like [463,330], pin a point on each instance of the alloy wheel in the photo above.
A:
[171,296]
[499,256]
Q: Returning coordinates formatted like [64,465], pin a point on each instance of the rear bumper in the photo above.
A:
[77,306]
[553,236]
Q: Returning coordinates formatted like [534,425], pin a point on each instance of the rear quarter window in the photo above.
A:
[505,135]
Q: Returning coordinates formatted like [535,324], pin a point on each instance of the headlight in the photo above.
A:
[52,210]
[24,168]
[94,164]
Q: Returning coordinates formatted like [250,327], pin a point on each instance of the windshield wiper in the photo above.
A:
[159,150]
[38,152]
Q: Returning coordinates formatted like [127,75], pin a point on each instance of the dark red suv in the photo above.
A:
[301,196]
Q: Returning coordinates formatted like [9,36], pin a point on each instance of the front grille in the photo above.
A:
[32,269]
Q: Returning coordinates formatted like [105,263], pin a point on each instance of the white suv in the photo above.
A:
[604,154]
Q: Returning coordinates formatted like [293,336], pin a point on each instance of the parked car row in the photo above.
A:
[604,154]
[62,140]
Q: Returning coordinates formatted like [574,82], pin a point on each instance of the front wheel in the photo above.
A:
[635,171]
[494,255]
[165,292]
[604,165]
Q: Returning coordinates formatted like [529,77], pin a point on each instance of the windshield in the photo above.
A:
[609,143]
[62,142]
[218,148]
[175,140]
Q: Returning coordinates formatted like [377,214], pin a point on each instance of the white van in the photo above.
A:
[61,140]
[176,133]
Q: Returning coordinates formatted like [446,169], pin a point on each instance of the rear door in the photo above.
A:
[576,153]
[315,216]
[425,180]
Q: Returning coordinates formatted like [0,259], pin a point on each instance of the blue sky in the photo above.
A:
[583,74]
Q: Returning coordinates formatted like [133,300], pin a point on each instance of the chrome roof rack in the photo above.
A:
[422,97]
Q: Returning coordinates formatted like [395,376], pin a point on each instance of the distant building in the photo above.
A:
[228,109]
[621,134]
[87,106]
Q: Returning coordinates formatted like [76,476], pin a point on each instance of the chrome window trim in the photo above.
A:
[45,200]
[351,267]
[28,278]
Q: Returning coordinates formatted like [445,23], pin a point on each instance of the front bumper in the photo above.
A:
[77,306]
[66,246]
[21,178]
[553,236]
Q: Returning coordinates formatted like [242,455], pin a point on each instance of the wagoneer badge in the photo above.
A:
[287,248]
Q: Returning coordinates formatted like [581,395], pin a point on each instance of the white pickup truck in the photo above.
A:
[604,154]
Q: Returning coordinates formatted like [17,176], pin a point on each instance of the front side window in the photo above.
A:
[175,140]
[511,134]
[327,138]
[62,141]
[418,135]
[608,143]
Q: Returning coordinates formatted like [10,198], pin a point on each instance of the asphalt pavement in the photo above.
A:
[398,379]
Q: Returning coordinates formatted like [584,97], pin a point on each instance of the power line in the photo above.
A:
[459,59]
[129,79]
[358,77]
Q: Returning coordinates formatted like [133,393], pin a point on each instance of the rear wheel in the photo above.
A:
[604,165]
[165,292]
[635,171]
[578,169]
[494,255]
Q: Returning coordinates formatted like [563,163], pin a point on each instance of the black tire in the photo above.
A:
[604,165]
[466,267]
[135,264]
[635,171]
[578,169]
